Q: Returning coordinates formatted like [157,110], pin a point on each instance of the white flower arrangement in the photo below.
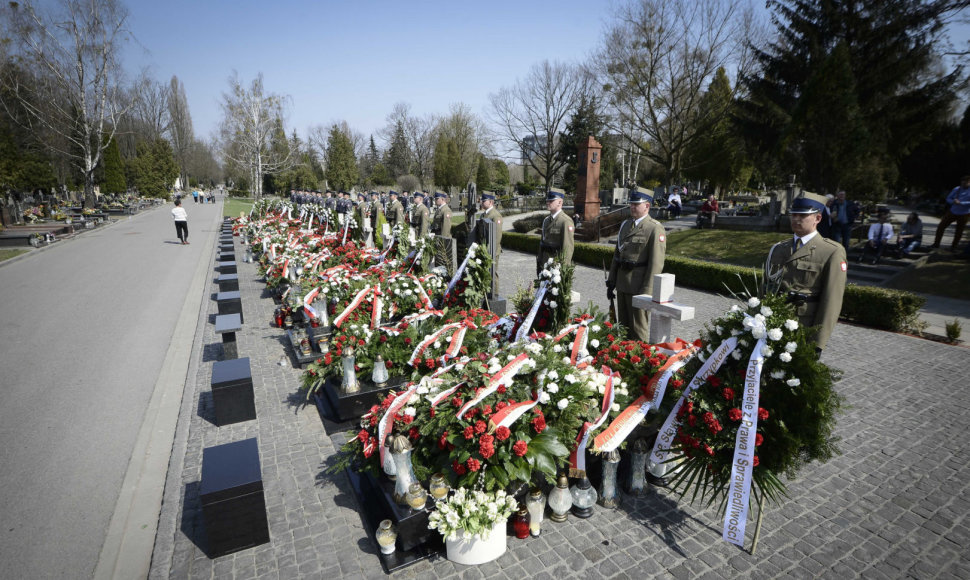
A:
[473,512]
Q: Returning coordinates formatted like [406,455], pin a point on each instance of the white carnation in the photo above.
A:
[791,347]
[594,343]
[544,398]
[785,357]
[552,388]
[791,324]
[553,375]
[766,311]
[753,302]
[766,351]
[736,354]
[793,382]
[556,348]
[557,279]
[595,328]
[734,308]
[758,332]
[778,374]
[570,378]
[552,304]
[437,344]
[774,334]
[565,360]
[555,291]
[410,411]
[562,404]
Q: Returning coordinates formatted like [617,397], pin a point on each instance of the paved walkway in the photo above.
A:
[895,504]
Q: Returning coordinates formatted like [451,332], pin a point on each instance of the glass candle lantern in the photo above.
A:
[637,484]
[390,468]
[379,376]
[438,487]
[560,500]
[416,496]
[609,496]
[584,497]
[536,504]
[520,522]
[401,450]
[386,537]
[349,383]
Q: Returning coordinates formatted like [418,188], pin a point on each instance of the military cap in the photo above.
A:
[555,193]
[808,203]
[641,195]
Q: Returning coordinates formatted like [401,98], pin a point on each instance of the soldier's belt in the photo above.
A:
[628,265]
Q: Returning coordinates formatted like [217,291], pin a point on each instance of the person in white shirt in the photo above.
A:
[675,204]
[879,235]
[181,222]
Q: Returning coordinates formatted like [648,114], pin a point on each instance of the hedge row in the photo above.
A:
[867,305]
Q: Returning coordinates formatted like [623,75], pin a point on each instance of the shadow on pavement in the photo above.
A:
[192,525]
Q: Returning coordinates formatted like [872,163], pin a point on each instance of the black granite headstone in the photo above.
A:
[233,505]
[232,391]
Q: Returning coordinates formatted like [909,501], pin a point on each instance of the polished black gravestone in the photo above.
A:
[225,257]
[348,406]
[226,267]
[230,303]
[226,247]
[228,282]
[228,325]
[233,506]
[232,391]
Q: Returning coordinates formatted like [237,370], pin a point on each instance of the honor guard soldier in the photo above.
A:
[808,269]
[328,201]
[395,211]
[558,232]
[421,218]
[641,246]
[441,222]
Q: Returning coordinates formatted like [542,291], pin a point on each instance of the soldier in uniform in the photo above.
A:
[421,218]
[558,232]
[395,211]
[641,246]
[809,269]
[441,222]
[328,201]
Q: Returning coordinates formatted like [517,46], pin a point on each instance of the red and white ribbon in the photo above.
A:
[577,459]
[445,394]
[511,413]
[503,377]
[579,345]
[430,339]
[527,323]
[387,421]
[375,315]
[354,304]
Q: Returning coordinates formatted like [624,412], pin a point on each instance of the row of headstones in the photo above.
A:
[233,505]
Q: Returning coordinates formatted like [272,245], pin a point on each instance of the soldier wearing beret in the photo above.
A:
[441,222]
[395,211]
[809,269]
[558,232]
[641,246]
[421,218]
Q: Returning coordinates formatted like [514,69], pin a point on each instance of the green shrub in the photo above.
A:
[875,307]
[527,224]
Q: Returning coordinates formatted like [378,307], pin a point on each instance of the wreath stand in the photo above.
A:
[757,527]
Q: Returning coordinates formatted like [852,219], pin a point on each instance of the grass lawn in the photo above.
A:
[234,205]
[7,254]
[725,246]
[941,275]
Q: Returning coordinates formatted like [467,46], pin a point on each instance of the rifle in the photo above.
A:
[612,311]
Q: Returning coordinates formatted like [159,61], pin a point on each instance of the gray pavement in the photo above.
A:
[84,324]
[894,504]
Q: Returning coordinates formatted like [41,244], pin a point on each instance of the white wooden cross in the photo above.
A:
[662,308]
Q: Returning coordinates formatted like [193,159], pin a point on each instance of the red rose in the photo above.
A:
[328,359]
[361,342]
[388,363]
[373,420]
[728,394]
[607,324]
[758,439]
[762,413]
[458,467]
[635,359]
[539,424]
[691,420]
[407,340]
[520,448]
[735,414]
[480,427]
[473,464]
[709,450]
[677,383]
[383,338]
[756,461]
[469,432]
[714,427]
[503,433]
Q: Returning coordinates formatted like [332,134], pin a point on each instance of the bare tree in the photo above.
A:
[533,112]
[420,136]
[656,62]
[71,50]
[150,107]
[180,127]
[252,119]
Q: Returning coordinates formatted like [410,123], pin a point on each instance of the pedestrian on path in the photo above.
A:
[181,222]
[959,200]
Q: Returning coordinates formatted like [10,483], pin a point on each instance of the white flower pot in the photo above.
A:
[471,551]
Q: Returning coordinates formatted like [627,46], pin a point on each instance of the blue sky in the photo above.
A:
[353,60]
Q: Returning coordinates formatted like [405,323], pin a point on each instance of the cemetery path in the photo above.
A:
[85,326]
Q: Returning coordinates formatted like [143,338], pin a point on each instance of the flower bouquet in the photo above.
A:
[472,281]
[473,524]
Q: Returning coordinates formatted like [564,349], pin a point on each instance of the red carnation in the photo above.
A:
[709,450]
[443,442]
[456,402]
[503,433]
[762,413]
[388,363]
[383,338]
[487,410]
[539,424]
[413,432]
[630,346]
[520,448]
[735,414]
[714,381]
[501,389]
[373,420]
[677,383]
[758,439]
[728,394]
[361,342]
[469,432]
[756,461]
[473,464]
[407,419]
[407,340]
[458,467]
[501,405]
[635,359]
[363,436]
[480,427]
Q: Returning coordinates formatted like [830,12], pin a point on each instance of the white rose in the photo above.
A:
[510,357]
[422,390]
[778,374]
[718,329]
[492,361]
[552,388]
[791,324]
[766,311]
[594,343]
[565,360]
[437,344]
[478,262]
[753,302]
[601,389]
[562,404]
[791,347]
[774,334]
[785,357]
[546,274]
[615,408]
[793,382]
[734,308]
[557,279]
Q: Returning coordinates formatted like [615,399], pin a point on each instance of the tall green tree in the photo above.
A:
[447,164]
[587,120]
[342,173]
[483,176]
[847,89]
[154,169]
[114,170]
[399,159]
[499,174]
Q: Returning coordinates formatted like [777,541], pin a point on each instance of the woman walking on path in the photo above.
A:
[181,222]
